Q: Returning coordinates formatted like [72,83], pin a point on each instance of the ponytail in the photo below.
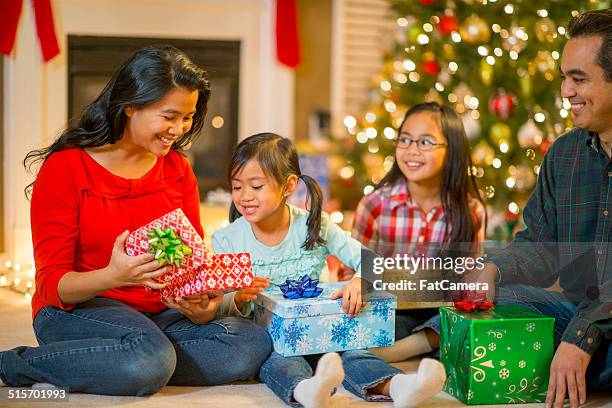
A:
[314,204]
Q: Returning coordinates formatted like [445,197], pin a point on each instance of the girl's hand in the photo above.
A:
[243,296]
[351,297]
[201,312]
[201,297]
[126,270]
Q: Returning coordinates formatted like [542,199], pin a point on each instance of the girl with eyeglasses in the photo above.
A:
[427,201]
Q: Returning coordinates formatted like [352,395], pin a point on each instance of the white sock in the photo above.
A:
[413,345]
[43,386]
[409,390]
[315,392]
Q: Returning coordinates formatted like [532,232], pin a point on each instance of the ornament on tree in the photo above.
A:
[413,34]
[448,51]
[544,146]
[433,96]
[525,178]
[448,23]
[373,163]
[499,132]
[483,154]
[511,220]
[545,63]
[427,2]
[471,125]
[529,135]
[525,83]
[502,104]
[462,91]
[388,70]
[475,30]
[430,67]
[545,30]
[486,73]
[516,40]
[444,77]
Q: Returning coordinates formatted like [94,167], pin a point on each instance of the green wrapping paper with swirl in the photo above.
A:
[496,356]
[167,246]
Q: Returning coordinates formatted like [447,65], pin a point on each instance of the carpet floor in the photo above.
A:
[17,330]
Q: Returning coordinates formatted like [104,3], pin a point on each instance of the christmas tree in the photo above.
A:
[496,63]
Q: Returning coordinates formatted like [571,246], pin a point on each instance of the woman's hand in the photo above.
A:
[243,296]
[126,270]
[199,309]
[351,297]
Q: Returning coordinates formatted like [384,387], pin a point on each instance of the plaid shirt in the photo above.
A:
[567,235]
[388,222]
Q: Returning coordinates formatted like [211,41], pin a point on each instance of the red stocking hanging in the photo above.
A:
[11,11]
[287,41]
[45,29]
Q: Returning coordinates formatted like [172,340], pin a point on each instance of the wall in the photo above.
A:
[35,94]
[312,77]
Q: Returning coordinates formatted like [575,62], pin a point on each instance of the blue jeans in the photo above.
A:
[557,305]
[362,371]
[106,347]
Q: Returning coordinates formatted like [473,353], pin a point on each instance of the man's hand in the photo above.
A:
[200,310]
[351,297]
[488,275]
[243,296]
[567,376]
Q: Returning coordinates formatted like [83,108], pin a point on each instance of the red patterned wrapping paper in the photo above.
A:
[221,272]
[201,271]
[138,243]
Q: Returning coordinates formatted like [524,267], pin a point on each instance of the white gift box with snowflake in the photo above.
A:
[497,356]
[318,325]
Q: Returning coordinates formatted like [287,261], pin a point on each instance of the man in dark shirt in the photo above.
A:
[568,222]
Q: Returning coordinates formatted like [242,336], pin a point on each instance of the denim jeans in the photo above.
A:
[106,347]
[407,320]
[557,305]
[362,371]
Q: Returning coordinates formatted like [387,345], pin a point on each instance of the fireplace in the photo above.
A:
[93,59]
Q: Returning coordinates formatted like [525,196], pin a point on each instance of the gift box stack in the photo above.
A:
[316,325]
[194,269]
[496,356]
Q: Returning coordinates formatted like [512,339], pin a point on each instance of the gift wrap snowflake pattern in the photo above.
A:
[318,325]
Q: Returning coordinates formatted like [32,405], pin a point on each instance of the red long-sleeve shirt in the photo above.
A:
[79,208]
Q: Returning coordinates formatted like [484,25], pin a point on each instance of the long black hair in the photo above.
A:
[278,159]
[459,183]
[142,80]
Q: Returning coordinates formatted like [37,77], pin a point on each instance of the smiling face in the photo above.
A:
[422,167]
[156,127]
[584,84]
[256,195]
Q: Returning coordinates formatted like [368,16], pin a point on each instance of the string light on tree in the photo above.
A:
[508,52]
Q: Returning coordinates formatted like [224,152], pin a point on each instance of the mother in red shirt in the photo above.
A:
[118,168]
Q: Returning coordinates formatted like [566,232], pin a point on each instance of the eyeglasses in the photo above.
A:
[421,144]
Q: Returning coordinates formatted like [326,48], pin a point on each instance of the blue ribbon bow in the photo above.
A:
[303,288]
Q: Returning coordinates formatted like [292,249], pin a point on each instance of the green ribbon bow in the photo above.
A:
[167,246]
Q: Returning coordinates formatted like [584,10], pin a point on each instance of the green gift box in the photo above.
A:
[496,356]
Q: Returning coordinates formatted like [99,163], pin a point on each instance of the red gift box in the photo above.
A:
[200,271]
[138,243]
[221,272]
